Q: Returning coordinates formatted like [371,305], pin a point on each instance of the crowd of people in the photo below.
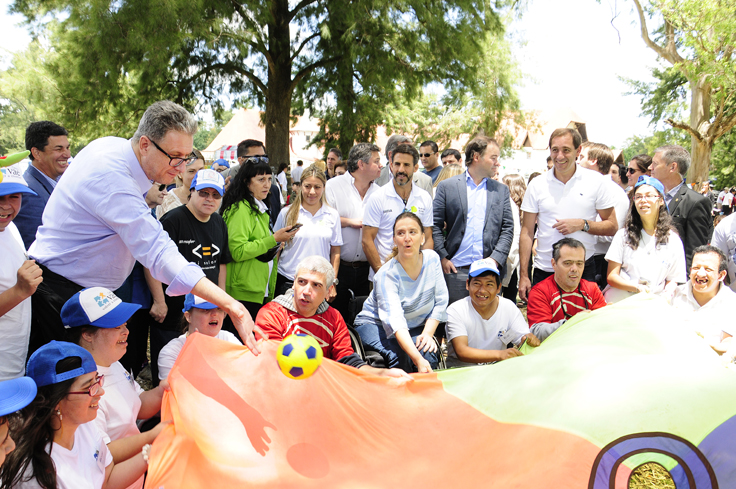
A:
[101,260]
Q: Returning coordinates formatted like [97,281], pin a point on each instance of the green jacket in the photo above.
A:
[249,236]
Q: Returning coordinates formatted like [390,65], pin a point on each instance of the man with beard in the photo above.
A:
[391,200]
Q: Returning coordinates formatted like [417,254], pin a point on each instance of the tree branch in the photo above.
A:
[298,7]
[726,125]
[260,44]
[685,127]
[310,68]
[662,52]
[230,68]
[304,42]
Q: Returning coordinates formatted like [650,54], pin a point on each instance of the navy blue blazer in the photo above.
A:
[28,219]
[451,213]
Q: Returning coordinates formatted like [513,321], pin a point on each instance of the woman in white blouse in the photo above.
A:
[646,255]
[320,233]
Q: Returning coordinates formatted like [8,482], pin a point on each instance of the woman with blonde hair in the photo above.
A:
[180,195]
[517,189]
[320,233]
[448,171]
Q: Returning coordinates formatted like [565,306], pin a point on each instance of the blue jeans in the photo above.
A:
[375,337]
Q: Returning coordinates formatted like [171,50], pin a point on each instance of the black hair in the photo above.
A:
[248,143]
[487,273]
[634,225]
[36,432]
[569,242]
[38,133]
[430,143]
[722,260]
[239,191]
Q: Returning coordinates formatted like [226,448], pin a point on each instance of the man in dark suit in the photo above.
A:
[475,211]
[689,210]
[49,147]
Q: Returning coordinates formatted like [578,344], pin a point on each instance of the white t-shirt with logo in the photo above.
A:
[82,467]
[507,325]
[385,205]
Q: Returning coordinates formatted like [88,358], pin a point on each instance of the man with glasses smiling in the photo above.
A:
[97,224]
[201,236]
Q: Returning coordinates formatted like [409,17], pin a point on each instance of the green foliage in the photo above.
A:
[665,98]
[723,161]
[636,145]
[344,59]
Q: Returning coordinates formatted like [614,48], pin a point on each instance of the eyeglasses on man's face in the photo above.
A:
[175,160]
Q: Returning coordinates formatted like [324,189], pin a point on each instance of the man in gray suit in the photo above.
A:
[419,179]
[475,211]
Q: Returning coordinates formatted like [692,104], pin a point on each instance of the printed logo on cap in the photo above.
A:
[98,301]
[210,177]
[12,174]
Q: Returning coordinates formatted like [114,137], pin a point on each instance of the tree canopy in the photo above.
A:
[345,60]
[697,39]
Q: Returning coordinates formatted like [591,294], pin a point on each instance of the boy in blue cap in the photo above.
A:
[200,233]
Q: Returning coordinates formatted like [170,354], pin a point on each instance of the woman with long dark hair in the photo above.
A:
[59,446]
[251,276]
[408,301]
[646,255]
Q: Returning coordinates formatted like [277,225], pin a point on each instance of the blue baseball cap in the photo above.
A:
[192,301]
[16,394]
[208,179]
[482,266]
[12,182]
[42,364]
[221,162]
[96,306]
[652,182]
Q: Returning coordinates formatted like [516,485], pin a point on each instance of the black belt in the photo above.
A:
[353,264]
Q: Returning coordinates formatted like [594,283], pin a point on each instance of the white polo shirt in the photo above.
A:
[581,197]
[342,195]
[384,207]
[318,233]
[621,205]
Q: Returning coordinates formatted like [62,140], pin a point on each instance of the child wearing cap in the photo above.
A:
[15,394]
[646,255]
[61,445]
[19,278]
[485,327]
[201,236]
[95,318]
[200,316]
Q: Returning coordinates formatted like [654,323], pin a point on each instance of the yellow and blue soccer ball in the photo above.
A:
[299,356]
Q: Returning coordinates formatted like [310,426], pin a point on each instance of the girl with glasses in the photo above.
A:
[646,255]
[96,320]
[59,445]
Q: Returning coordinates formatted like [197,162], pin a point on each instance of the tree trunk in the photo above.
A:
[279,92]
[700,99]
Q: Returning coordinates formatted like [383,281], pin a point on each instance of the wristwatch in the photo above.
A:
[586,226]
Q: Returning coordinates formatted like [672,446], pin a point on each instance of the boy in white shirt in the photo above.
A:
[485,327]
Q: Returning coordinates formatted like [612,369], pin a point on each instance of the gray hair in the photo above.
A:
[162,117]
[393,142]
[360,152]
[317,264]
[678,154]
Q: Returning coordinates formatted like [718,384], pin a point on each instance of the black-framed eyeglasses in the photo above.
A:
[204,194]
[175,161]
[93,389]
